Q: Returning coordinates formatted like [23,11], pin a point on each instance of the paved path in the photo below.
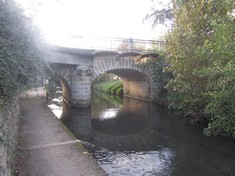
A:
[45,148]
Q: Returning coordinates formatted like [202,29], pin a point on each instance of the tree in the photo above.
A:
[160,12]
[22,52]
[200,50]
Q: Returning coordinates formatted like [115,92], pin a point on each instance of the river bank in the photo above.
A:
[111,87]
[45,148]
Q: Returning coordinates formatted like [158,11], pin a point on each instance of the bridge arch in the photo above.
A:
[66,91]
[138,81]
[77,71]
[62,74]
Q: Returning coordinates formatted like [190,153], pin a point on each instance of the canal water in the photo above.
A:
[133,138]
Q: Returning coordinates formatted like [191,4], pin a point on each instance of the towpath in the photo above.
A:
[45,148]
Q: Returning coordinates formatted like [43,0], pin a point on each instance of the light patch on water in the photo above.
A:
[57,110]
[108,114]
[136,163]
[59,100]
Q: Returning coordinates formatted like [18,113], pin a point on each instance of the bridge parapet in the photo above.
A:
[113,44]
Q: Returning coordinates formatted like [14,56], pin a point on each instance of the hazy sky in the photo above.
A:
[109,18]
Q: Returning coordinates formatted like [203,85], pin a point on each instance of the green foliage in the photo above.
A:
[157,15]
[21,51]
[200,50]
[113,87]
[119,90]
[162,11]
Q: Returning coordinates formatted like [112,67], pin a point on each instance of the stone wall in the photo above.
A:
[9,122]
[137,89]
[138,81]
[81,91]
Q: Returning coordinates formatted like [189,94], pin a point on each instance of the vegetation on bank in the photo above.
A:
[200,52]
[22,51]
[112,87]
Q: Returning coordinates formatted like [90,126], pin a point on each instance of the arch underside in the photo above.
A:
[138,81]
[63,74]
[135,83]
[66,90]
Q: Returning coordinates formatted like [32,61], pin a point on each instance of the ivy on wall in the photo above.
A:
[22,51]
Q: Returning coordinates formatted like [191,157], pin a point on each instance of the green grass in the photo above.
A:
[112,87]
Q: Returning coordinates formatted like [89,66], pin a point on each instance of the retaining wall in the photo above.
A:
[9,122]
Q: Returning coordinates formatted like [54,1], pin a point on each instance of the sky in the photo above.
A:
[60,19]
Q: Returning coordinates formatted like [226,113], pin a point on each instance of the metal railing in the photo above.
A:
[113,44]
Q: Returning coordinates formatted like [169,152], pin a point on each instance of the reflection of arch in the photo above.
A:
[125,120]
[80,123]
[117,124]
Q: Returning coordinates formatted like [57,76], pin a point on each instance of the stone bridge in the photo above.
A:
[78,68]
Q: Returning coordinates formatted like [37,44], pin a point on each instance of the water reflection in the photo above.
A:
[55,102]
[56,109]
[108,114]
[137,138]
[136,163]
[78,121]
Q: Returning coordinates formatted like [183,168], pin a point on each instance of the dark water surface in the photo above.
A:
[135,137]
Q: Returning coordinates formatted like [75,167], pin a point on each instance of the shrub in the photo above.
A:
[22,51]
